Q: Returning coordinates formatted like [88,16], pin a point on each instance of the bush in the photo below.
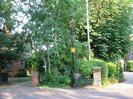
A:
[115,72]
[111,69]
[21,73]
[85,69]
[119,73]
[54,79]
[130,65]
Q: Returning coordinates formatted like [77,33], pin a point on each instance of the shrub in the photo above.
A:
[85,69]
[119,73]
[130,65]
[111,69]
[115,72]
[82,81]
[104,68]
[21,73]
[54,79]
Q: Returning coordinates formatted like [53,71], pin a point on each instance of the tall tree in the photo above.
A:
[11,45]
[49,25]
[110,27]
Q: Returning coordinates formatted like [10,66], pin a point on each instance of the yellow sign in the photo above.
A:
[73,50]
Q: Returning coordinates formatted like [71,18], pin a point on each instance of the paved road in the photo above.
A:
[24,91]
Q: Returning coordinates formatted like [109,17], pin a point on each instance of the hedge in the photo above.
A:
[111,69]
[104,68]
[130,65]
[119,73]
[85,69]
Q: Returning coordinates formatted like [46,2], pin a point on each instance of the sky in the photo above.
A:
[20,16]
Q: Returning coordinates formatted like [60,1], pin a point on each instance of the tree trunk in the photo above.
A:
[48,58]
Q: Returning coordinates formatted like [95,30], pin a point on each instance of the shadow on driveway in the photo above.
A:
[25,91]
[22,92]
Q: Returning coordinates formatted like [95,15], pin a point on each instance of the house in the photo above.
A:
[14,67]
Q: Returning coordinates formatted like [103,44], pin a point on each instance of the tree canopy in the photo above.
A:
[48,26]
[110,24]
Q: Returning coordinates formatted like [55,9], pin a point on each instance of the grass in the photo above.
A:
[54,86]
[14,80]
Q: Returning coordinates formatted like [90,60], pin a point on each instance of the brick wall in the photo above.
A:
[15,68]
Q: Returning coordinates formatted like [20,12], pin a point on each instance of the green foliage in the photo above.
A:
[110,27]
[115,72]
[113,26]
[11,45]
[33,62]
[130,65]
[48,25]
[21,73]
[119,73]
[85,70]
[111,69]
[11,48]
[104,69]
[6,10]
[54,79]
[83,81]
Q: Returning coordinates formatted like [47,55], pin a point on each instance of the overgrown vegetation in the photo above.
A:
[21,73]
[115,72]
[110,22]
[48,34]
[130,65]
[111,69]
[11,42]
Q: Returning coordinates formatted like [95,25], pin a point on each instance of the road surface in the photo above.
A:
[116,91]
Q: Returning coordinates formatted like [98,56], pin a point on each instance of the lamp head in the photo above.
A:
[72,23]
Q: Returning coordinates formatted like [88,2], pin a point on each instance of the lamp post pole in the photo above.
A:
[72,25]
[88,30]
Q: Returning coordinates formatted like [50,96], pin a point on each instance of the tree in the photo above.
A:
[11,44]
[49,25]
[110,28]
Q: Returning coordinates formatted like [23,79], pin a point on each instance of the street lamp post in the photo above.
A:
[73,50]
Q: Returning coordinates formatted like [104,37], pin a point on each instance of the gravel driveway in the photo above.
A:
[25,91]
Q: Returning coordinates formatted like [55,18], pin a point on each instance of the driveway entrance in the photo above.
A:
[25,91]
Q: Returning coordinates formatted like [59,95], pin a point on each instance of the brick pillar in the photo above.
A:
[15,68]
[35,78]
[97,76]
